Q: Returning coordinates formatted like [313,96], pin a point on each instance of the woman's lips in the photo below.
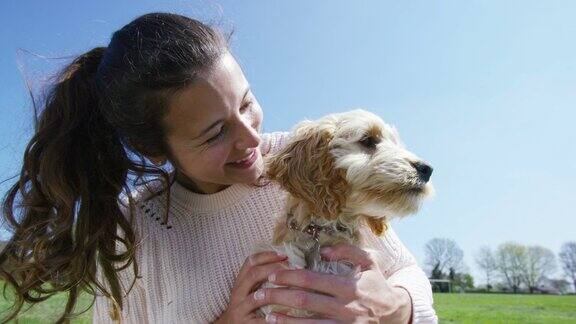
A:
[245,163]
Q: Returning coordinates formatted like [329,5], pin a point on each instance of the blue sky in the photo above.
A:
[483,90]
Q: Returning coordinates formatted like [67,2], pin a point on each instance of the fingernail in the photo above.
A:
[259,294]
[326,250]
[271,318]
[272,277]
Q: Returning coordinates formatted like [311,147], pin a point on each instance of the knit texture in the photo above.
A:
[188,266]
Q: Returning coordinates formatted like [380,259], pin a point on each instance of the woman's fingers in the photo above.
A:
[259,259]
[256,269]
[285,319]
[339,286]
[257,274]
[350,253]
[247,269]
[257,320]
[297,298]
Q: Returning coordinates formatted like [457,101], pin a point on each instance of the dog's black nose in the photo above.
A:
[424,170]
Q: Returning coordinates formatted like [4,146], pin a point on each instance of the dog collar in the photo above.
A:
[314,229]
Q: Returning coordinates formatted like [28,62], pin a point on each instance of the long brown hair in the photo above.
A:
[101,118]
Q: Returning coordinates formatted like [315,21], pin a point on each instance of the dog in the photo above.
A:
[341,172]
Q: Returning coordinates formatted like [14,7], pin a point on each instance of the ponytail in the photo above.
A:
[64,210]
[101,118]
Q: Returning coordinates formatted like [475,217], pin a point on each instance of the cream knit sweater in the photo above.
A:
[188,266]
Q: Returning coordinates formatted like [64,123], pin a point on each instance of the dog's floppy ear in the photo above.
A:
[305,168]
[377,225]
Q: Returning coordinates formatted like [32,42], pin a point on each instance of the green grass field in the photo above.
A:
[451,308]
[49,311]
[500,308]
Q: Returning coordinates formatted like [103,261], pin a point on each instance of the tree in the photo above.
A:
[540,261]
[465,280]
[486,261]
[436,273]
[560,285]
[443,254]
[568,260]
[511,264]
[461,280]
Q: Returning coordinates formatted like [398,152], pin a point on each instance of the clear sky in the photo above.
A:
[483,90]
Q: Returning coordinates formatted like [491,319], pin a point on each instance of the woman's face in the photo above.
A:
[213,127]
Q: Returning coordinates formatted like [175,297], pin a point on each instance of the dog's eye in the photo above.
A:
[369,142]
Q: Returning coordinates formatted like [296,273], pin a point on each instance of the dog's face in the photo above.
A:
[385,179]
[351,160]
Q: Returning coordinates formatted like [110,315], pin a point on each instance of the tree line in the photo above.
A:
[511,267]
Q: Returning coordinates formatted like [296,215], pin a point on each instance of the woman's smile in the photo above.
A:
[245,162]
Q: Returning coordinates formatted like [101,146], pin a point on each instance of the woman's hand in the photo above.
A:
[256,269]
[365,297]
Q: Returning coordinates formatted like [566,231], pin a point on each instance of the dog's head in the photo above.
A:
[353,161]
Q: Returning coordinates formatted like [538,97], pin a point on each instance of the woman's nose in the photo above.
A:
[248,138]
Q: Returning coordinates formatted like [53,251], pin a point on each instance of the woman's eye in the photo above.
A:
[217,136]
[222,131]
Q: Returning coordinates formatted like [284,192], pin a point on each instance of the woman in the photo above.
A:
[174,249]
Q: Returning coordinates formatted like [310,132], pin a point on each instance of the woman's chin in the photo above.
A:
[258,170]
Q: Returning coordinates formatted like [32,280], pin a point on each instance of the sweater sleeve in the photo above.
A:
[401,269]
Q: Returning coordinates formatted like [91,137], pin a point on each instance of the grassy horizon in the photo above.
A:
[505,308]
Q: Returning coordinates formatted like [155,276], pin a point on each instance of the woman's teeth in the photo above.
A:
[245,159]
